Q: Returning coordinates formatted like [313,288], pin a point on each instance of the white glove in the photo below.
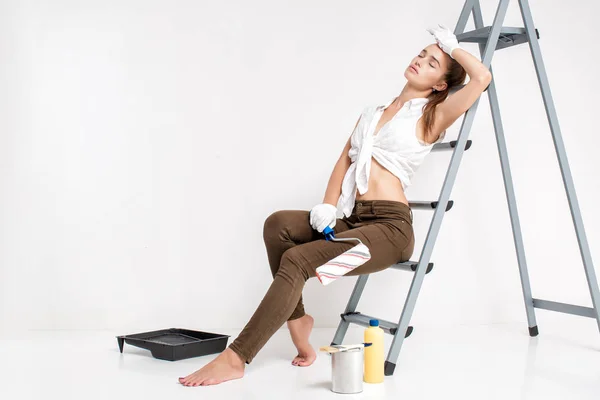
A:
[323,215]
[445,39]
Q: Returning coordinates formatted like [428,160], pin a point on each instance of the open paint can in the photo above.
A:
[347,369]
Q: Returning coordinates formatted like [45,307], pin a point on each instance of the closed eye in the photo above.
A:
[420,56]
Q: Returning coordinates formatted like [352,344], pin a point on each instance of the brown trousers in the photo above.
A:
[295,250]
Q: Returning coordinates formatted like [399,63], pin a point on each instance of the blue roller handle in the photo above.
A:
[328,232]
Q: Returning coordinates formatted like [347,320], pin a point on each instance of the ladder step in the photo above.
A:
[565,308]
[354,317]
[411,266]
[509,36]
[446,146]
[428,205]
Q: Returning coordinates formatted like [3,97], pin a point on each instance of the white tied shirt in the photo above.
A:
[395,146]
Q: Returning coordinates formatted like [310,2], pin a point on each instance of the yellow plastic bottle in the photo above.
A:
[374,357]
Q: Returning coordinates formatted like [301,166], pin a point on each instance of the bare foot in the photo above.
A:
[227,366]
[300,330]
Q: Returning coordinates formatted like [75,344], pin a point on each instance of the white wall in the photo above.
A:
[143,144]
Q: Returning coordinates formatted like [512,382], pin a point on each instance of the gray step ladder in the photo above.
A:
[500,37]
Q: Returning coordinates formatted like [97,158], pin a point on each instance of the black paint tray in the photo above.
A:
[176,344]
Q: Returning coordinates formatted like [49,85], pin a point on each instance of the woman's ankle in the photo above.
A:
[297,318]
[234,357]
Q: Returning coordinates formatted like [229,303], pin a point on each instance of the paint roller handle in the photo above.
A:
[329,235]
[328,232]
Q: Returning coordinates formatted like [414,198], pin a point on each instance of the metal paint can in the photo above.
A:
[347,368]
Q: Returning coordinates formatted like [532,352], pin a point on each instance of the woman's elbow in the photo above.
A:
[485,77]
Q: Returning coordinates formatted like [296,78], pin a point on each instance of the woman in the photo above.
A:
[377,162]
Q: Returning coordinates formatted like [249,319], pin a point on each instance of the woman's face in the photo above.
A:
[427,69]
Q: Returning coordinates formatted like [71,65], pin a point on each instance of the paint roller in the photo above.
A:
[345,262]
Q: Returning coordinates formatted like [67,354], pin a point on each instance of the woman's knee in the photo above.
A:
[273,225]
[278,224]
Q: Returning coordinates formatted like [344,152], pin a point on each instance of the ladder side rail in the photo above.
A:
[562,156]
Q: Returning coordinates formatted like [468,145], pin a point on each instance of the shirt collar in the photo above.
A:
[414,102]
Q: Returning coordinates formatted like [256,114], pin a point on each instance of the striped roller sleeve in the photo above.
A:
[342,264]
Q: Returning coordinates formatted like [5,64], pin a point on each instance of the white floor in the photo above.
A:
[454,362]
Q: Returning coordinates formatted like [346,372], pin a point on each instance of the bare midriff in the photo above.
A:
[383,185]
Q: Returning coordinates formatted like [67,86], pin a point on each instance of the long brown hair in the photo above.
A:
[455,75]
